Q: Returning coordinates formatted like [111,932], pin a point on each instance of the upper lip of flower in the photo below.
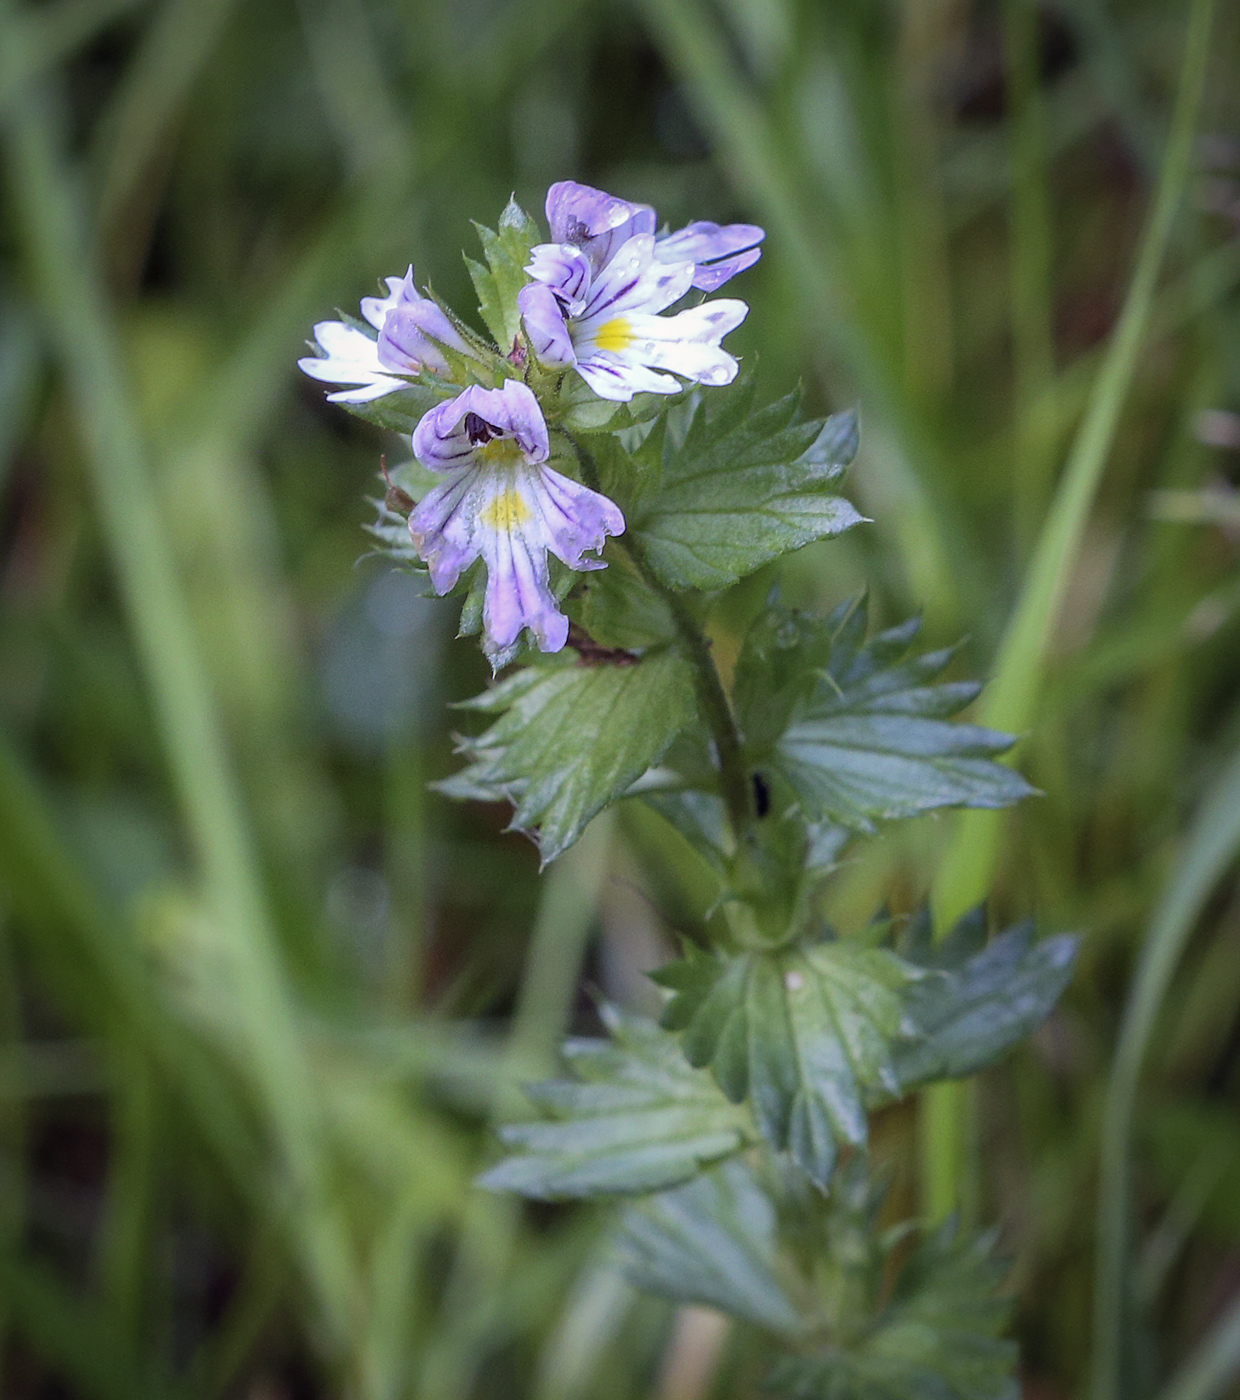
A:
[600,224]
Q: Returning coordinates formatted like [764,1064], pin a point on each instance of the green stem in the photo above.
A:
[734,781]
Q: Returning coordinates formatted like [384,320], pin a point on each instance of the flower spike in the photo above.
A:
[500,502]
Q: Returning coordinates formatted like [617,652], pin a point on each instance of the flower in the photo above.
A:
[605,324]
[499,501]
[600,224]
[408,325]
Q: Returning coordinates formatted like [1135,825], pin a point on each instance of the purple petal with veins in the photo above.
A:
[407,340]
[545,325]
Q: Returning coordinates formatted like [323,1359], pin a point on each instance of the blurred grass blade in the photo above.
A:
[53,33]
[1211,1371]
[137,130]
[1212,845]
[596,1309]
[566,914]
[83,336]
[1011,700]
[697,48]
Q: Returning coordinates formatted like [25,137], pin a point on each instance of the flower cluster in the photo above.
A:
[594,304]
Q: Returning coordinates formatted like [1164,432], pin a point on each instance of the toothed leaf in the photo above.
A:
[860,730]
[739,488]
[805,1034]
[634,1117]
[711,1242]
[571,738]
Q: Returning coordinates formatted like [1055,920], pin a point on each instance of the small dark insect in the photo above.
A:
[761,795]
[395,499]
[590,653]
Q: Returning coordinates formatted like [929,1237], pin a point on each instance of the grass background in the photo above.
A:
[262,994]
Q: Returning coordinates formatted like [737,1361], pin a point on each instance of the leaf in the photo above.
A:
[805,1033]
[743,487]
[711,1242]
[938,1338]
[619,609]
[507,252]
[985,999]
[634,1117]
[871,739]
[571,738]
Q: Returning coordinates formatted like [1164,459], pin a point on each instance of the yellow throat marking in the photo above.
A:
[614,334]
[505,511]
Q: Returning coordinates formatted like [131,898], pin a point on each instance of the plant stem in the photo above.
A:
[734,781]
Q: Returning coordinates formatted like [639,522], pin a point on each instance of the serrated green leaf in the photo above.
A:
[634,1118]
[507,251]
[402,410]
[939,1337]
[982,1001]
[807,1034]
[740,488]
[572,738]
[870,738]
[711,1242]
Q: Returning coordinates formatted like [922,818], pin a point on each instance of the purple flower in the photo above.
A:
[500,502]
[602,319]
[408,325]
[600,224]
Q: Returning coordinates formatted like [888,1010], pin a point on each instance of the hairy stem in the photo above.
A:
[734,780]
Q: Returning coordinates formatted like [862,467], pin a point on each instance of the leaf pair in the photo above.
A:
[799,1045]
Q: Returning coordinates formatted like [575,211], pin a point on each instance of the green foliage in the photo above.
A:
[859,1314]
[739,488]
[937,1338]
[859,730]
[983,999]
[570,738]
[715,1242]
[806,1033]
[507,250]
[635,1117]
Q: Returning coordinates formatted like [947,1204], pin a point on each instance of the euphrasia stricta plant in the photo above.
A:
[588,480]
